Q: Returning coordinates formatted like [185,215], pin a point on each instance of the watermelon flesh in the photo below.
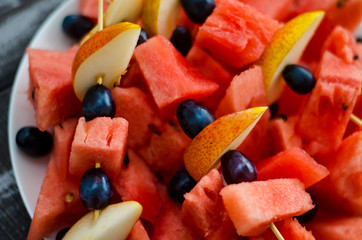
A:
[51,86]
[53,212]
[101,140]
[89,8]
[137,182]
[138,232]
[236,33]
[253,205]
[292,163]
[290,229]
[342,189]
[283,134]
[203,209]
[278,10]
[169,77]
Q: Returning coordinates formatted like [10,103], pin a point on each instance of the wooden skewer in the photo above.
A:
[356,120]
[276,231]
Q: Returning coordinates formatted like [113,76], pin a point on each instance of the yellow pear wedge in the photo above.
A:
[106,54]
[224,134]
[159,17]
[123,10]
[114,223]
[286,47]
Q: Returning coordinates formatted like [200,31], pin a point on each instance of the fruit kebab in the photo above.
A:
[92,61]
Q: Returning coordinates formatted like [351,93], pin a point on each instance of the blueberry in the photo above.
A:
[181,39]
[61,233]
[98,102]
[33,141]
[237,168]
[299,79]
[180,184]
[198,10]
[143,37]
[193,117]
[76,26]
[95,189]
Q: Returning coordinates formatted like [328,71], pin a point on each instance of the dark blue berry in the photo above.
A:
[237,168]
[182,40]
[34,142]
[193,117]
[95,189]
[274,107]
[76,26]
[143,37]
[198,10]
[98,102]
[61,233]
[180,184]
[299,79]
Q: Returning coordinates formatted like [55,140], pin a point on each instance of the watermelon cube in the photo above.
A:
[164,151]
[325,116]
[203,209]
[279,10]
[342,189]
[169,77]
[89,8]
[137,182]
[58,204]
[139,110]
[290,102]
[290,229]
[335,227]
[283,134]
[101,140]
[63,138]
[235,33]
[292,163]
[253,205]
[51,87]
[245,91]
[138,232]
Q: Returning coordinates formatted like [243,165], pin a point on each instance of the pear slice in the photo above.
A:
[286,47]
[106,54]
[224,134]
[159,17]
[123,10]
[114,223]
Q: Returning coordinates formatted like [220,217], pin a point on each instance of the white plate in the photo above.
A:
[29,172]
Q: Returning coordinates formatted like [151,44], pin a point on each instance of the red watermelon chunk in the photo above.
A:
[164,152]
[290,229]
[253,205]
[169,224]
[278,10]
[245,91]
[139,110]
[334,227]
[89,8]
[203,209]
[341,43]
[169,77]
[53,212]
[292,163]
[325,116]
[63,137]
[138,232]
[283,134]
[342,189]
[51,87]
[290,102]
[137,182]
[236,33]
[101,140]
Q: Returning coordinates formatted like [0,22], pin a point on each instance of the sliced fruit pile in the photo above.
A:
[204,121]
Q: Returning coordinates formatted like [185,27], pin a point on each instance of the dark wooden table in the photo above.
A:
[19,20]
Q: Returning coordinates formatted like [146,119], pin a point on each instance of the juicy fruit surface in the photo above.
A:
[309,137]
